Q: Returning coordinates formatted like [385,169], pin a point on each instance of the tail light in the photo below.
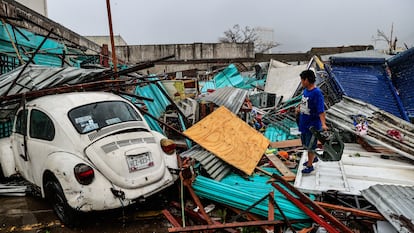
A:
[84,174]
[168,146]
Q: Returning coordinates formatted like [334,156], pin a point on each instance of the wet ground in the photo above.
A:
[33,214]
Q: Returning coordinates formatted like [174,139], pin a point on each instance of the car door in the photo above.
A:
[19,145]
[40,142]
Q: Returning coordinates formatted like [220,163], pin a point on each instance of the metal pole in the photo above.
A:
[111,34]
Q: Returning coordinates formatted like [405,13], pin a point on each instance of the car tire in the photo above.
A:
[65,213]
[2,178]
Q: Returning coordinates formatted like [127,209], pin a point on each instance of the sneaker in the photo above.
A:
[307,170]
[315,160]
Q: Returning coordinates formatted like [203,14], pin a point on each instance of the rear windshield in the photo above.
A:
[95,116]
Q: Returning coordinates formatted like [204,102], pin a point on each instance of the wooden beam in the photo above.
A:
[286,143]
[287,174]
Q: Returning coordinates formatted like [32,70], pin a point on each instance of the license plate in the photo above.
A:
[139,162]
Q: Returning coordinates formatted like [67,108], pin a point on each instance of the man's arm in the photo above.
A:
[323,121]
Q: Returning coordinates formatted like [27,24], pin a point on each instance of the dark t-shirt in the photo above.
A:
[311,106]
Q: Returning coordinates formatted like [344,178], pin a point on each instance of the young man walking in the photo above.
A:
[312,113]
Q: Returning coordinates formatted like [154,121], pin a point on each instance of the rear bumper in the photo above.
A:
[99,196]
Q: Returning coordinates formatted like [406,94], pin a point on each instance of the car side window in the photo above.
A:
[41,126]
[21,122]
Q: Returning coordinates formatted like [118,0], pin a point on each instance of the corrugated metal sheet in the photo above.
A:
[280,130]
[366,79]
[395,203]
[48,54]
[366,54]
[379,125]
[239,192]
[229,97]
[229,77]
[402,69]
[216,168]
[283,81]
[156,107]
[36,77]
[356,171]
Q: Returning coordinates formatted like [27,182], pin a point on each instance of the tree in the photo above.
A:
[391,42]
[238,34]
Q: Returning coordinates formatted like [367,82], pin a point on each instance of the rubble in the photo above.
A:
[231,128]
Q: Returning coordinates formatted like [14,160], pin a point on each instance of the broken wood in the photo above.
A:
[287,174]
[286,143]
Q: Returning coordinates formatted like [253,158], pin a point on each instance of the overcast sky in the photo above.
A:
[298,25]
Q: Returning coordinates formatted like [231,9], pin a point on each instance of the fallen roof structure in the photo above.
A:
[357,170]
[383,128]
[366,79]
[283,80]
[402,73]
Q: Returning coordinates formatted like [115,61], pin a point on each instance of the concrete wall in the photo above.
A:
[201,65]
[184,52]
[40,6]
[100,40]
[37,23]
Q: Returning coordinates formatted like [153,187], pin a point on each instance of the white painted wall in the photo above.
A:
[40,6]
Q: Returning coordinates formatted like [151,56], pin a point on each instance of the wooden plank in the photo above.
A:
[287,174]
[229,138]
[286,143]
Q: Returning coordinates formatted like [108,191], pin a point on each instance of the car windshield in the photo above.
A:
[95,116]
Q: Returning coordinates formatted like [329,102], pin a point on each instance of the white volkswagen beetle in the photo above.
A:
[87,151]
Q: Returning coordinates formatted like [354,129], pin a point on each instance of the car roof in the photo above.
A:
[67,101]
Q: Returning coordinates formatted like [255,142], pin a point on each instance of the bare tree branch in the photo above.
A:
[246,35]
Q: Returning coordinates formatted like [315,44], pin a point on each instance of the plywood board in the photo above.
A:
[229,138]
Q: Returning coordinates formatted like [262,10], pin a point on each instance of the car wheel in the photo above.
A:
[1,174]
[66,214]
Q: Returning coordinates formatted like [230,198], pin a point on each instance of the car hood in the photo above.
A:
[128,160]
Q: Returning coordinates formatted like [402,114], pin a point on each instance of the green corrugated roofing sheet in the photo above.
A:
[241,193]
[230,77]
[157,107]
[26,42]
[280,131]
